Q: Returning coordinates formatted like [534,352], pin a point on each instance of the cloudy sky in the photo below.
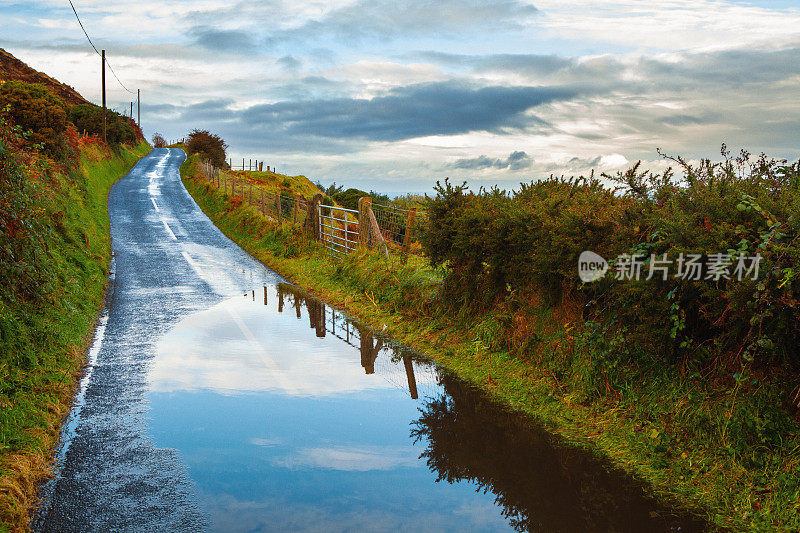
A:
[394,94]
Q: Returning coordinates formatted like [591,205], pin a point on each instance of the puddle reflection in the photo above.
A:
[315,422]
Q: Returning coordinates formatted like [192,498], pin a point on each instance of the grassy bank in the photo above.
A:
[701,443]
[57,237]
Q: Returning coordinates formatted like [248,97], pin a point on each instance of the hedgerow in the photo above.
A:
[502,247]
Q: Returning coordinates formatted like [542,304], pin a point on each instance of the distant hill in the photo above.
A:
[12,68]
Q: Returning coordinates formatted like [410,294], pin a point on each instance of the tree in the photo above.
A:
[158,141]
[208,145]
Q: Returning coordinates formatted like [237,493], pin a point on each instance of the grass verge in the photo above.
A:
[44,339]
[680,433]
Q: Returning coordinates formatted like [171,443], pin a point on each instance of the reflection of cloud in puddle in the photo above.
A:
[244,346]
[352,459]
[265,442]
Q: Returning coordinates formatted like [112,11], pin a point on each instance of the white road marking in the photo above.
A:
[169,230]
[258,348]
[194,265]
[155,204]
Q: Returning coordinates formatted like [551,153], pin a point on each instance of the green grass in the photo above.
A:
[701,444]
[44,339]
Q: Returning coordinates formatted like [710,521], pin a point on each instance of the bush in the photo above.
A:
[505,247]
[89,118]
[41,114]
[208,145]
[349,198]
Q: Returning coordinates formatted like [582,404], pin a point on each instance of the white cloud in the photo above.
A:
[359,458]
[668,24]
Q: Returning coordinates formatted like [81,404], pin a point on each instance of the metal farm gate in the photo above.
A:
[338,229]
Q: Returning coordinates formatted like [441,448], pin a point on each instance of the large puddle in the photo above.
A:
[290,416]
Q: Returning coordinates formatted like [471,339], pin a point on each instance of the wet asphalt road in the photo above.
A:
[169,261]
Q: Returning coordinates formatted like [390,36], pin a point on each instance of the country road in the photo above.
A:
[170,261]
[220,398]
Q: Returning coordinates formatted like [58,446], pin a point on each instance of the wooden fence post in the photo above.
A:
[408,236]
[364,206]
[375,230]
[311,224]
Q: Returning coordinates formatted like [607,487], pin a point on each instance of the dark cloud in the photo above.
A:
[388,19]
[237,41]
[289,62]
[731,68]
[448,108]
[684,120]
[531,64]
[515,161]
[576,162]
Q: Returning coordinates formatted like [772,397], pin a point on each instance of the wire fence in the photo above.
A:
[250,165]
[397,226]
[340,230]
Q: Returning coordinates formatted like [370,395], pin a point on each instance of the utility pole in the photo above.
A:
[103,56]
[138,110]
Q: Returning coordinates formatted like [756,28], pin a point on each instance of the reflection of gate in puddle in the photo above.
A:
[325,320]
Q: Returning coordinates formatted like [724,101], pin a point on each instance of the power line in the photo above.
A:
[116,78]
[95,48]
[81,25]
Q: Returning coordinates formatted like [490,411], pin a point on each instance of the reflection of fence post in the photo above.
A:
[366,351]
[364,206]
[412,381]
[265,295]
[297,306]
[321,319]
[408,236]
[280,300]
[312,323]
[369,353]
